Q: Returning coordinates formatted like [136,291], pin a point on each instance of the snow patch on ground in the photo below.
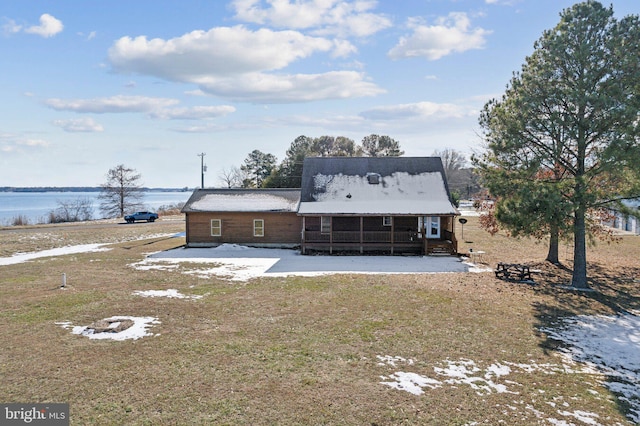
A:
[60,251]
[454,373]
[602,347]
[134,332]
[170,293]
[484,381]
[610,345]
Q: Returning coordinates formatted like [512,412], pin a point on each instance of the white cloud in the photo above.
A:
[193,113]
[450,34]
[89,36]
[49,26]
[12,142]
[270,88]
[418,110]
[222,51]
[10,27]
[237,63]
[343,49]
[79,125]
[160,108]
[196,92]
[324,17]
[33,142]
[114,104]
[503,2]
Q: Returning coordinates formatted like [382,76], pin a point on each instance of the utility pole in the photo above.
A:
[203,168]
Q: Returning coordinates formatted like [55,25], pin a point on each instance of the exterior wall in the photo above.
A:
[625,223]
[281,229]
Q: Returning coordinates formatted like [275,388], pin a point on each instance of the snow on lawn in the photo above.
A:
[603,347]
[60,251]
[170,293]
[492,379]
[241,263]
[136,330]
[611,345]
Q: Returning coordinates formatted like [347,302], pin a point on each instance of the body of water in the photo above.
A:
[35,206]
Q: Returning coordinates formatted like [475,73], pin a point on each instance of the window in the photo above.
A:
[435,227]
[325,224]
[373,178]
[386,220]
[216,227]
[258,227]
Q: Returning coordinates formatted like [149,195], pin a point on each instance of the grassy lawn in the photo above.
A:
[300,350]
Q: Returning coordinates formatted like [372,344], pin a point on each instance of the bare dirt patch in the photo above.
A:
[115,325]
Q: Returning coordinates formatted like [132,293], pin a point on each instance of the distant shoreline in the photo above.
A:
[80,189]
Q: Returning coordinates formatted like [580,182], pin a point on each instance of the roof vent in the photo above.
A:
[373,178]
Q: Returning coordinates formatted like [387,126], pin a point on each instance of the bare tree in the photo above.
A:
[452,160]
[122,192]
[232,178]
[76,210]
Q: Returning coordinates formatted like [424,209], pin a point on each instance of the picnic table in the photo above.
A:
[513,272]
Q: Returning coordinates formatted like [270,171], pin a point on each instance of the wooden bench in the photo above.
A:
[513,272]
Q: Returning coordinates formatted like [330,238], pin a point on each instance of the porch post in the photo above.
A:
[361,233]
[454,239]
[393,232]
[330,234]
[302,237]
[425,244]
[187,230]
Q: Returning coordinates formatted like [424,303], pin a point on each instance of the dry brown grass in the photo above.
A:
[291,350]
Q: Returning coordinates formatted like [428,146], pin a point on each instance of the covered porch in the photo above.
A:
[407,234]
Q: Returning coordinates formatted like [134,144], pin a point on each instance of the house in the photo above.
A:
[625,222]
[376,204]
[253,217]
[391,205]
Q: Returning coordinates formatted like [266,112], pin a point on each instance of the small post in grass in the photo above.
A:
[64,280]
[462,221]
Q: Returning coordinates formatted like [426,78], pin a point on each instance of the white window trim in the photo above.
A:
[255,228]
[219,234]
[387,220]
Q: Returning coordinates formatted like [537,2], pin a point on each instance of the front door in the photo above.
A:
[431,226]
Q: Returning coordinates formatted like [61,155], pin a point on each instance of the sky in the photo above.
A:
[151,84]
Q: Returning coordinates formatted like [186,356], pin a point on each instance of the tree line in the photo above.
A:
[262,170]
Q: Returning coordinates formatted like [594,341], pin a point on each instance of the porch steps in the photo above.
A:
[440,247]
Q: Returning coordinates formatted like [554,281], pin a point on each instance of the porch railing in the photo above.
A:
[367,237]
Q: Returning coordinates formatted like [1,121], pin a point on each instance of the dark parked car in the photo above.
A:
[148,216]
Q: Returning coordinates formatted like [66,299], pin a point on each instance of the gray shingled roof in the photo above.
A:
[375,185]
[360,166]
[243,200]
